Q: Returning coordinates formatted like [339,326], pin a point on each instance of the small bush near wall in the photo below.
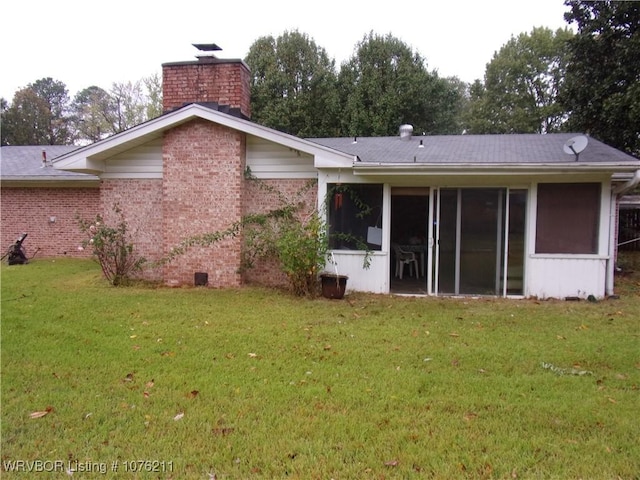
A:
[112,247]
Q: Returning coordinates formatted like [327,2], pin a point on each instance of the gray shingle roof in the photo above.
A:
[476,149]
[25,163]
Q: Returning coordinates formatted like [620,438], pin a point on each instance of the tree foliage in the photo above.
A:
[385,84]
[538,82]
[153,87]
[293,85]
[56,96]
[38,115]
[128,102]
[522,81]
[25,121]
[602,86]
[41,113]
[92,114]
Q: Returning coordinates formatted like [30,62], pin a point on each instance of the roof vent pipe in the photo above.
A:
[406,131]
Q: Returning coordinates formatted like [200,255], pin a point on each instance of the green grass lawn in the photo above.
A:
[255,383]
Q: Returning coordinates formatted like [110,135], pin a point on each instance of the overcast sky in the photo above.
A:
[84,43]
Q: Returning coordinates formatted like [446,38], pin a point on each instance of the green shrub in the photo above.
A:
[112,247]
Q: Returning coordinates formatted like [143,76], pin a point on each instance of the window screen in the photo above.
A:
[568,218]
[353,208]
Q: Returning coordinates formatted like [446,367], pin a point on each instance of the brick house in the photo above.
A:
[505,215]
[44,202]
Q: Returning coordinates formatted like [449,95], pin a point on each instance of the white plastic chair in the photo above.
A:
[405,258]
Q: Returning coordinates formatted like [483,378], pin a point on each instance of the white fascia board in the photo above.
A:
[82,164]
[490,168]
[91,158]
[333,161]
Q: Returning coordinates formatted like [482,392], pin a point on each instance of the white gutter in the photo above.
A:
[458,169]
[629,185]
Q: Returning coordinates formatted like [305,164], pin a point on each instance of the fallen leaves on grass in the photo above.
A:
[470,416]
[41,413]
[149,386]
[193,394]
[565,371]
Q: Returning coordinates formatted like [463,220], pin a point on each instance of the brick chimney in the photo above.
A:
[203,166]
[207,80]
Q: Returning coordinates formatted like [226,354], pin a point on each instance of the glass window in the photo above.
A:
[354,216]
[568,218]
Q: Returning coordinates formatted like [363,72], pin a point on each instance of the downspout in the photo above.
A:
[613,227]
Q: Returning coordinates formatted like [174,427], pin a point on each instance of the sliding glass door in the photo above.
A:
[473,229]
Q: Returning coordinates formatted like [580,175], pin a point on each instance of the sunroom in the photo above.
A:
[499,215]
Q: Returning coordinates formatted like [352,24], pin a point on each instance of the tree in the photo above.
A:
[477,118]
[26,120]
[93,114]
[602,86]
[129,104]
[41,113]
[153,104]
[38,115]
[4,105]
[56,95]
[451,105]
[98,113]
[385,84]
[293,85]
[522,81]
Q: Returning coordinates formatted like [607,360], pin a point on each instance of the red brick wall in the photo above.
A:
[141,203]
[258,200]
[224,81]
[28,210]
[203,182]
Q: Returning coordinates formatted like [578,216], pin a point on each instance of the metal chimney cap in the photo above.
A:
[206,47]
